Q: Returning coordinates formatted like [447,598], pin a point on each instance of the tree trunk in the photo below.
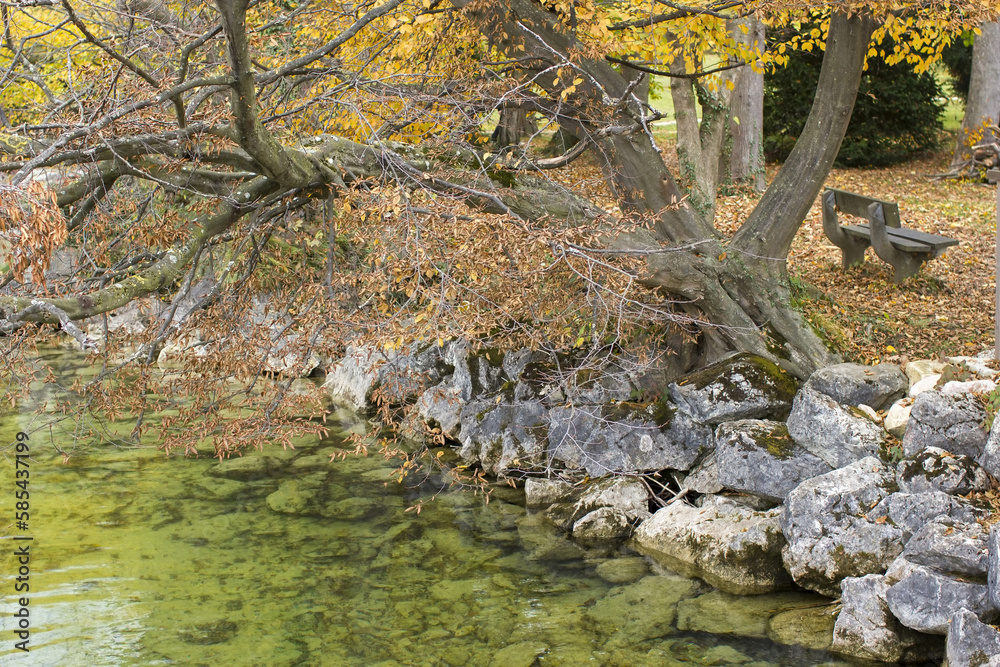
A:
[982,107]
[767,235]
[512,127]
[742,160]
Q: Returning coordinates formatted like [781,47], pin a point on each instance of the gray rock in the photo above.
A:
[741,387]
[704,477]
[836,434]
[971,643]
[865,628]
[441,407]
[993,566]
[626,495]
[503,437]
[934,469]
[829,536]
[406,376]
[351,380]
[990,457]
[760,458]
[626,437]
[477,373]
[603,526]
[950,547]
[855,384]
[952,423]
[544,492]
[735,549]
[926,600]
[910,511]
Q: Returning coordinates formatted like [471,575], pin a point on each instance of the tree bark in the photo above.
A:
[742,159]
[982,106]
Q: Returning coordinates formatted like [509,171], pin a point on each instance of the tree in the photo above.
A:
[982,107]
[326,156]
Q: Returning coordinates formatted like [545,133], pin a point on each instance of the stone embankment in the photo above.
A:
[856,485]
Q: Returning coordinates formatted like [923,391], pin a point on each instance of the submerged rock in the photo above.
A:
[623,570]
[810,627]
[626,437]
[760,458]
[731,547]
[829,537]
[952,423]
[540,493]
[747,616]
[643,610]
[742,387]
[856,384]
[246,468]
[836,434]
[603,526]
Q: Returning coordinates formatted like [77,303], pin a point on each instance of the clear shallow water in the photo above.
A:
[142,560]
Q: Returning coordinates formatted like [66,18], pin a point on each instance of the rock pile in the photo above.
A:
[790,486]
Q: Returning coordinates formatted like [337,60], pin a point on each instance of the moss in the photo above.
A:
[758,372]
[659,412]
[776,442]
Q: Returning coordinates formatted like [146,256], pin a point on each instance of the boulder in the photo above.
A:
[934,469]
[505,436]
[741,387]
[993,566]
[971,643]
[838,435]
[954,548]
[855,384]
[980,365]
[441,407]
[704,476]
[626,437]
[952,423]
[627,496]
[406,376]
[735,549]
[811,627]
[921,368]
[865,628]
[351,380]
[908,512]
[989,459]
[246,468]
[924,385]
[721,613]
[968,387]
[540,493]
[829,535]
[759,457]
[897,417]
[927,600]
[603,526]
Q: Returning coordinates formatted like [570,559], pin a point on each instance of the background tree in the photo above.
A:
[982,107]
[283,179]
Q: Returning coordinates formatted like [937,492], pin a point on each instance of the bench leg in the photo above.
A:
[852,249]
[904,264]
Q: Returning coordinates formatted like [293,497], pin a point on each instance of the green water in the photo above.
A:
[142,560]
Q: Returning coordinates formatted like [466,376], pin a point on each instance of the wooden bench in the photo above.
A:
[904,249]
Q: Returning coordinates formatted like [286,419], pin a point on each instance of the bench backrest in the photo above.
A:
[855,204]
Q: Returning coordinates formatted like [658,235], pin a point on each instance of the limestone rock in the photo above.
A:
[505,436]
[950,547]
[829,535]
[898,416]
[926,600]
[934,469]
[811,627]
[731,547]
[626,437]
[908,512]
[865,628]
[544,492]
[993,566]
[855,384]
[441,407]
[741,387]
[952,423]
[623,570]
[760,458]
[406,376]
[968,387]
[924,385]
[836,434]
[971,643]
[919,369]
[351,380]
[704,477]
[603,526]
[990,457]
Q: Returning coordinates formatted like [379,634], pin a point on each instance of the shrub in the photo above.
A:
[896,115]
